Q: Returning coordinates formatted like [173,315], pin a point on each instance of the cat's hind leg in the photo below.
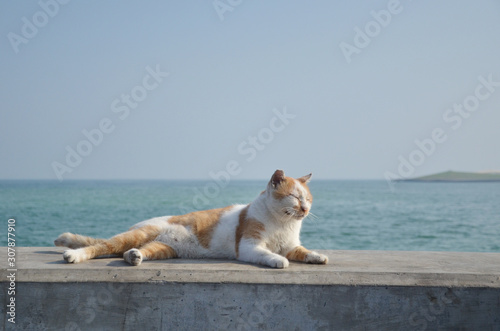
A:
[71,240]
[118,244]
[154,250]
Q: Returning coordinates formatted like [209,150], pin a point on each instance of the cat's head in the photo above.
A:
[289,198]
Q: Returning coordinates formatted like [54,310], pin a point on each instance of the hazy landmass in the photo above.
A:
[455,176]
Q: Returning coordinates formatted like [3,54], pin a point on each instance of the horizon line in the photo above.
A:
[168,179]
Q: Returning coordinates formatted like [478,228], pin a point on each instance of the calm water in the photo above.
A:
[349,214]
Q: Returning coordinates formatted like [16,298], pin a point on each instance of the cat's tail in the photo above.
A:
[75,240]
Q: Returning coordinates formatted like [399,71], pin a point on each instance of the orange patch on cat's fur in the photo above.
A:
[239,230]
[157,250]
[299,253]
[121,243]
[284,188]
[247,228]
[202,223]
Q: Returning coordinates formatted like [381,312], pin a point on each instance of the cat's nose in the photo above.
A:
[304,209]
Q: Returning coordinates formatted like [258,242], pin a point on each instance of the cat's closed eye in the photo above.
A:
[308,199]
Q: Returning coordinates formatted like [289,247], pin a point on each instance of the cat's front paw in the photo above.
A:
[316,258]
[74,256]
[133,256]
[278,262]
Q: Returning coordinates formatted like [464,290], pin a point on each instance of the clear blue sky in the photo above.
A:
[358,102]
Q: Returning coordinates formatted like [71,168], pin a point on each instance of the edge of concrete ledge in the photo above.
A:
[352,268]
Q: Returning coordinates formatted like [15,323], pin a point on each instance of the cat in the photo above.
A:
[265,232]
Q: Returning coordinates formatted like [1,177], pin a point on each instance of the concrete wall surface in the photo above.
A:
[357,290]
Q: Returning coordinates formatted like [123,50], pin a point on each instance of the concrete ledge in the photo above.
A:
[381,268]
[357,290]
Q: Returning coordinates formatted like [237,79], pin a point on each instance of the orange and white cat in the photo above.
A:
[266,232]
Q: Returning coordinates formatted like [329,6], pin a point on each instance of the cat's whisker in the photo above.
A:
[313,216]
[289,214]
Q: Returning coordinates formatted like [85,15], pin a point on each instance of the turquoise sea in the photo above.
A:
[350,215]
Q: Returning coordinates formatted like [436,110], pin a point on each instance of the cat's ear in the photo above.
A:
[278,177]
[305,179]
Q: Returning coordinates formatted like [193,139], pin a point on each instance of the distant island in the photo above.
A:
[455,176]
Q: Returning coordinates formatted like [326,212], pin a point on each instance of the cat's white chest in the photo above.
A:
[280,240]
